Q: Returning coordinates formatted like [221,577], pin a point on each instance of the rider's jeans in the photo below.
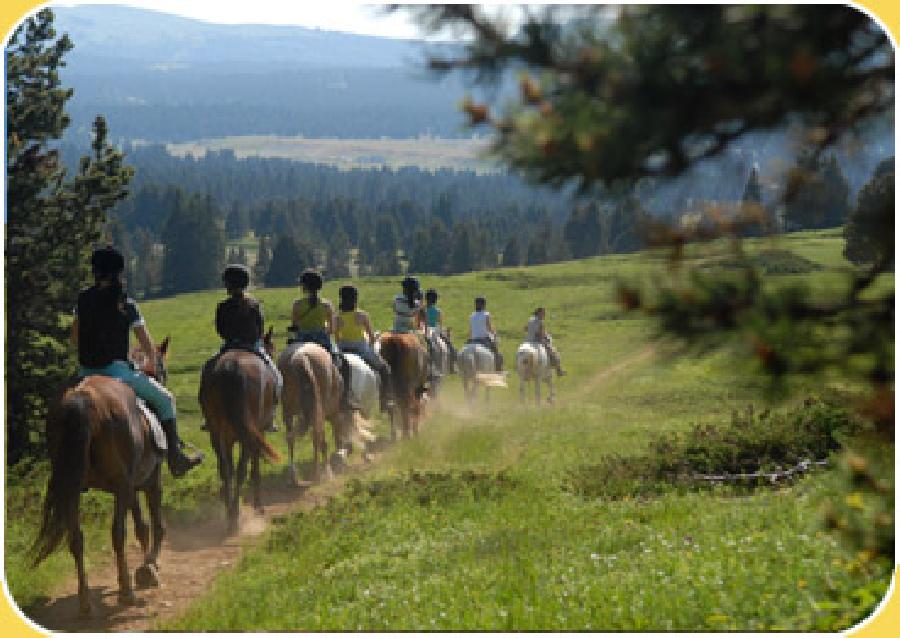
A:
[150,390]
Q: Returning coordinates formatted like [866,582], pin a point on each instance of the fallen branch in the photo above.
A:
[773,477]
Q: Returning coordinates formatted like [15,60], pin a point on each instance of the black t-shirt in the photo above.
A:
[105,315]
[239,319]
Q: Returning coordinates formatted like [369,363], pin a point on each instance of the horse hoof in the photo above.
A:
[146,576]
[127,598]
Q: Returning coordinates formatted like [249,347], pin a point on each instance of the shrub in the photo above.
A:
[751,443]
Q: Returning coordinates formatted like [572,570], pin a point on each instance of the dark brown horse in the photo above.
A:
[408,360]
[99,438]
[237,397]
[312,394]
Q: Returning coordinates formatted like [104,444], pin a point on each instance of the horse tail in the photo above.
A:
[310,394]
[392,352]
[234,401]
[67,470]
[526,362]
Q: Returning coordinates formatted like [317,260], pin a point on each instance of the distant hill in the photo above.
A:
[161,77]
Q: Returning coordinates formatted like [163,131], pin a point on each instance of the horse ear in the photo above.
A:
[268,336]
[164,346]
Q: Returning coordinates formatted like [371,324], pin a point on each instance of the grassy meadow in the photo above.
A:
[474,524]
[427,153]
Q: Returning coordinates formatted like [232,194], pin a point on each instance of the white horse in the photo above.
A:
[533,364]
[365,390]
[440,360]
[476,366]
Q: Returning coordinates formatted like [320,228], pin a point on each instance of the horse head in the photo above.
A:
[159,371]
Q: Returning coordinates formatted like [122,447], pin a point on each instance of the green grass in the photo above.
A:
[470,525]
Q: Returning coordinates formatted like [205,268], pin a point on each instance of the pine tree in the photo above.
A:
[52,224]
[289,258]
[512,253]
[870,228]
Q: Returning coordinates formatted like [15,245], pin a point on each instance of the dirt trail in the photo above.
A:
[195,553]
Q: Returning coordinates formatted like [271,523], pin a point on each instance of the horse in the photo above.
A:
[439,359]
[237,398]
[409,372]
[99,437]
[533,364]
[312,394]
[476,365]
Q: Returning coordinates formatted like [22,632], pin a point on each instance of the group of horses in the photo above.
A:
[100,436]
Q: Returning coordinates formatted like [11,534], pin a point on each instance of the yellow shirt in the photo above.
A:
[311,319]
[351,329]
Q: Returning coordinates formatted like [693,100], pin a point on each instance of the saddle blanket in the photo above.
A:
[157,435]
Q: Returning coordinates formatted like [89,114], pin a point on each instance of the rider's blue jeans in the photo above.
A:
[150,390]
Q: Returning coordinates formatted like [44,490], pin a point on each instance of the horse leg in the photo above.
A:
[142,531]
[123,502]
[146,575]
[551,394]
[234,508]
[218,447]
[226,470]
[537,389]
[393,417]
[256,481]
[76,547]
[289,435]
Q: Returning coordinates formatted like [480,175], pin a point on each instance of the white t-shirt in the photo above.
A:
[534,329]
[404,315]
[478,325]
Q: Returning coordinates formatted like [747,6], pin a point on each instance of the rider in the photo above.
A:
[313,320]
[537,335]
[481,331]
[354,334]
[407,310]
[434,319]
[239,322]
[104,315]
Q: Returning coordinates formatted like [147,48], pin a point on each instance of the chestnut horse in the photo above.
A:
[99,438]
[409,372]
[312,393]
[237,398]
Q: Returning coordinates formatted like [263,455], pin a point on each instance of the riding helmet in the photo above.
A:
[311,279]
[348,293]
[431,296]
[107,261]
[480,302]
[236,276]
[410,283]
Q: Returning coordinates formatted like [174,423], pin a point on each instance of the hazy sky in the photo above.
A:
[333,15]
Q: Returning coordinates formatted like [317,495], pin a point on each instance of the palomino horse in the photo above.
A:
[98,437]
[312,393]
[476,363]
[409,372]
[237,397]
[533,364]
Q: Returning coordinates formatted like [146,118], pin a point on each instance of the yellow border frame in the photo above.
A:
[885,622]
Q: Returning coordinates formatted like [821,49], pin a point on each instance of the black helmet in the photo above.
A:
[236,276]
[107,261]
[431,296]
[480,302]
[348,293]
[410,283]
[311,279]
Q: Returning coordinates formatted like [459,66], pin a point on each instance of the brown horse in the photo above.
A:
[237,397]
[99,438]
[408,360]
[312,393]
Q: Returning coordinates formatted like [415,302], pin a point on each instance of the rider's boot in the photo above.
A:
[179,462]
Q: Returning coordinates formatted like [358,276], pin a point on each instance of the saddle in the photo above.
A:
[157,435]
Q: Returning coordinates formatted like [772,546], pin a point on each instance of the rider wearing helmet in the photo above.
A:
[482,331]
[537,335]
[434,319]
[313,321]
[239,323]
[104,315]
[354,334]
